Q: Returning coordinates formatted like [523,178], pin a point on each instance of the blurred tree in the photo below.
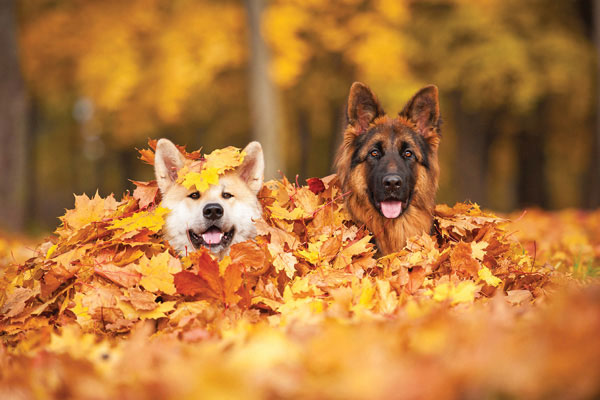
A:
[13,130]
[110,74]
[593,195]
[510,66]
[266,125]
[515,80]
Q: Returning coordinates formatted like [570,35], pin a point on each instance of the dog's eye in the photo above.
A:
[408,154]
[194,196]
[375,153]
[226,195]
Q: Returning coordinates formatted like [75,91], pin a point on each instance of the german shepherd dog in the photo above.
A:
[222,215]
[390,165]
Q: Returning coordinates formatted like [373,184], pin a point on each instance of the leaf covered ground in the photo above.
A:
[485,307]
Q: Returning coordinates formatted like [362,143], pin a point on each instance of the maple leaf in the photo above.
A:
[221,281]
[281,213]
[200,180]
[224,159]
[126,276]
[157,273]
[152,220]
[15,302]
[132,313]
[463,292]
[249,255]
[89,210]
[315,185]
[486,275]
[145,193]
[462,260]
[283,261]
[361,246]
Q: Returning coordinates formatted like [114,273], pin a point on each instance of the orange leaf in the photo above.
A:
[145,193]
[462,260]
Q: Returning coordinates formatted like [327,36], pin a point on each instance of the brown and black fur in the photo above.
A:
[401,150]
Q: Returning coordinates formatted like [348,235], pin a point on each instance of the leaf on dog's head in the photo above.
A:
[200,180]
[225,159]
[147,155]
[216,163]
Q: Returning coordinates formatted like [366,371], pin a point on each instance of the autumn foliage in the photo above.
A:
[483,308]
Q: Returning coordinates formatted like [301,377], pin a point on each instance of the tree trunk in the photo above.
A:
[13,117]
[475,134]
[592,185]
[263,103]
[531,160]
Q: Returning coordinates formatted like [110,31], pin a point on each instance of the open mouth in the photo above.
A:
[393,208]
[212,237]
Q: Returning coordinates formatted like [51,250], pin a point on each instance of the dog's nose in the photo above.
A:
[212,211]
[392,182]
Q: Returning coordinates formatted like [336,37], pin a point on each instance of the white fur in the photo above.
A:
[239,211]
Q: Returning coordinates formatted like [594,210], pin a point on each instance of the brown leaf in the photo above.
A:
[146,193]
[15,302]
[461,259]
[126,276]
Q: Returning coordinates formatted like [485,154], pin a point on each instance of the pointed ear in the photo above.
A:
[252,169]
[167,162]
[363,106]
[424,111]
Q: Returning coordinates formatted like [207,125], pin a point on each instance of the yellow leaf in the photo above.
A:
[486,275]
[361,246]
[312,254]
[225,159]
[51,251]
[464,292]
[283,261]
[151,220]
[200,180]
[477,250]
[80,311]
[89,210]
[157,273]
[129,312]
[281,213]
[388,299]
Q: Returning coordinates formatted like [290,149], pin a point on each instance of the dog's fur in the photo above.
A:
[389,164]
[217,218]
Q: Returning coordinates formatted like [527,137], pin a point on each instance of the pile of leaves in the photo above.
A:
[107,309]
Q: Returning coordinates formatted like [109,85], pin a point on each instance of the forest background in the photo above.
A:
[85,83]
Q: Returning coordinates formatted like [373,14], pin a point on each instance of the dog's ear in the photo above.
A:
[363,106]
[167,162]
[424,111]
[252,169]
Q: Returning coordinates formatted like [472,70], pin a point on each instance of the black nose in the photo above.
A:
[392,182]
[212,211]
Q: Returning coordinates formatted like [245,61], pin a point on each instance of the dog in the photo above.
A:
[389,165]
[222,215]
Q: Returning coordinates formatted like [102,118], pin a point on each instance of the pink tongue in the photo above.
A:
[391,209]
[212,236]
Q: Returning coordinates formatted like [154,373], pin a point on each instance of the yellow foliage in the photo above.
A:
[152,220]
[157,273]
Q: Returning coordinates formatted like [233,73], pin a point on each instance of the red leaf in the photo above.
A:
[190,284]
[315,185]
[206,281]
